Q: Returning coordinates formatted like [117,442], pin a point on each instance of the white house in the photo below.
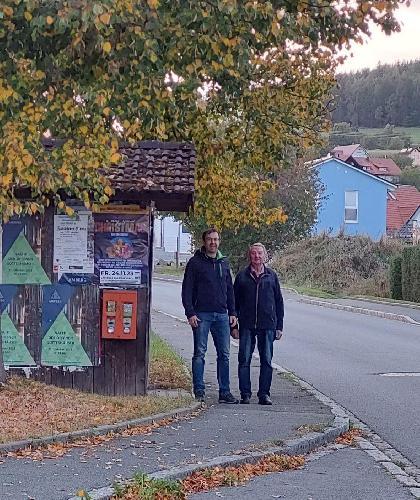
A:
[172,242]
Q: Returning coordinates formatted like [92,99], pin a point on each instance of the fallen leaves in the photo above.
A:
[349,437]
[205,480]
[30,409]
[57,450]
[233,476]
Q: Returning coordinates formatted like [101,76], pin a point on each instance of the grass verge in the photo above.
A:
[143,487]
[30,409]
[171,270]
[313,292]
[166,370]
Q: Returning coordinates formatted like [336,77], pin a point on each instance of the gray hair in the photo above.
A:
[259,245]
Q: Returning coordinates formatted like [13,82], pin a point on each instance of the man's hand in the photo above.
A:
[279,334]
[234,334]
[194,320]
[233,321]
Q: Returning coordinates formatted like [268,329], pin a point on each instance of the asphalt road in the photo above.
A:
[343,355]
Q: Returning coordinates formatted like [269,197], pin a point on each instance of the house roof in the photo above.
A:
[344,152]
[157,171]
[317,164]
[379,166]
[401,206]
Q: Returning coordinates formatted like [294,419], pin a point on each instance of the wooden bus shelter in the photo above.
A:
[75,291]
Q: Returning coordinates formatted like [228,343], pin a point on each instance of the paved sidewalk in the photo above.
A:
[220,430]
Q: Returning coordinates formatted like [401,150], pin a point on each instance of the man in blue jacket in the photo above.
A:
[259,304]
[209,303]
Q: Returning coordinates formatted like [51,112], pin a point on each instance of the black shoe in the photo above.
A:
[245,400]
[265,400]
[228,398]
[200,397]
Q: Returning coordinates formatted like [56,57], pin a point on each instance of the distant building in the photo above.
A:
[413,153]
[354,201]
[403,214]
[356,155]
[171,237]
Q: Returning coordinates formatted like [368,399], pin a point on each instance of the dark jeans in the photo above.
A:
[247,340]
[218,325]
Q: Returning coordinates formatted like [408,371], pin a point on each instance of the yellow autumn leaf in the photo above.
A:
[28,16]
[49,20]
[83,129]
[108,190]
[107,111]
[69,211]
[105,18]
[27,160]
[115,158]
[153,4]
[106,47]
[60,204]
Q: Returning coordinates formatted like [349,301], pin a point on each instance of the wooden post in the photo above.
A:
[2,370]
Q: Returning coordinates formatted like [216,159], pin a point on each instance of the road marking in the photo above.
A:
[400,374]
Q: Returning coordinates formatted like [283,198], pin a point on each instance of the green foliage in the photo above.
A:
[410,269]
[147,488]
[411,176]
[98,72]
[395,278]
[386,138]
[344,264]
[298,192]
[374,98]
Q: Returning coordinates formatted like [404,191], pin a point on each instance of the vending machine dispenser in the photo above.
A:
[119,314]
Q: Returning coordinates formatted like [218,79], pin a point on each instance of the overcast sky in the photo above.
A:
[403,46]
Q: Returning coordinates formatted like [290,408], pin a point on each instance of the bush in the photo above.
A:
[395,278]
[410,274]
[346,264]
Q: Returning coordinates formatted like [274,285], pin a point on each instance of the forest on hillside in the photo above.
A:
[389,94]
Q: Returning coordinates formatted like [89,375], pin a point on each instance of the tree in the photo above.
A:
[95,73]
[411,176]
[298,192]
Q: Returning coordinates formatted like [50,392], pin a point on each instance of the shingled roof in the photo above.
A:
[162,172]
[401,206]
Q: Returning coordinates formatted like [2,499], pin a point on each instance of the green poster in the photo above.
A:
[21,266]
[15,352]
[61,347]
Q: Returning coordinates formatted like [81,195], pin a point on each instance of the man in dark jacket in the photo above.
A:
[259,305]
[209,303]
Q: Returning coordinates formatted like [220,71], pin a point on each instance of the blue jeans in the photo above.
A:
[247,340]
[218,325]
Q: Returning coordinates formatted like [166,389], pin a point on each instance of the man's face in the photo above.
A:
[257,256]
[211,243]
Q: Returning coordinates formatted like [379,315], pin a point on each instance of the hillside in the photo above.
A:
[373,98]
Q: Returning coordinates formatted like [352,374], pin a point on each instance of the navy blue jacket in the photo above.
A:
[207,285]
[259,303]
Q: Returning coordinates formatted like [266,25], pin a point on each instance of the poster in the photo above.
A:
[73,247]
[15,352]
[61,346]
[21,262]
[122,248]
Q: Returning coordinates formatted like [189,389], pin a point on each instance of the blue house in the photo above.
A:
[353,201]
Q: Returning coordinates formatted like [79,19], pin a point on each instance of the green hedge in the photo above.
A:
[395,278]
[410,274]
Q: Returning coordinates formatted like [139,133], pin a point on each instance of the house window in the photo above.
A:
[351,206]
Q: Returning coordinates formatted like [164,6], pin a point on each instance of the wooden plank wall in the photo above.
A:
[122,365]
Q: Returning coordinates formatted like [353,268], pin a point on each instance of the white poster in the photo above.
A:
[74,244]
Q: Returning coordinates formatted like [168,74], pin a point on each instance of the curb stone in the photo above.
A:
[297,446]
[360,310]
[68,437]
